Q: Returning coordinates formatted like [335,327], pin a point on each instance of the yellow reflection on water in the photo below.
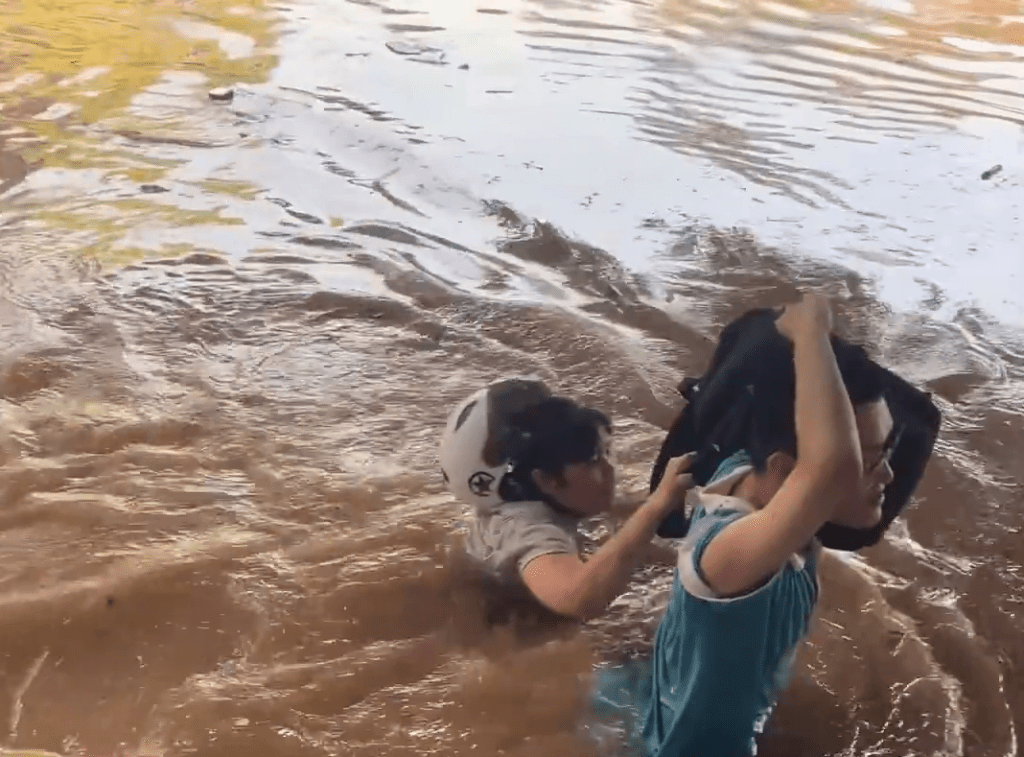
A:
[98,55]
[79,76]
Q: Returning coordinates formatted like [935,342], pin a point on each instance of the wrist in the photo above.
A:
[658,505]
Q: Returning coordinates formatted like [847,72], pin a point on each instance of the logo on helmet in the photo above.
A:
[480,483]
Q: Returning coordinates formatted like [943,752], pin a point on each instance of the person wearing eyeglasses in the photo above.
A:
[815,450]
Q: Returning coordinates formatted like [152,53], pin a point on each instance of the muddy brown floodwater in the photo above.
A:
[230,331]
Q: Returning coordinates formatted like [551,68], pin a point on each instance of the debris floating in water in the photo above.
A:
[991,172]
[222,94]
[417,52]
[406,48]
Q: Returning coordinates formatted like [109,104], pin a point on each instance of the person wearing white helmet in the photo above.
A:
[532,465]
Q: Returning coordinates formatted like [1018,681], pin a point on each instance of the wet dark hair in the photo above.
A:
[772,420]
[753,361]
[549,436]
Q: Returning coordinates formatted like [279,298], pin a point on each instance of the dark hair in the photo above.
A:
[552,434]
[772,426]
[745,373]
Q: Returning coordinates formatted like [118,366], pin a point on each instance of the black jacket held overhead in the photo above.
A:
[719,410]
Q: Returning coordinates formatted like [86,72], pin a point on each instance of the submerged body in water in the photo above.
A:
[231,331]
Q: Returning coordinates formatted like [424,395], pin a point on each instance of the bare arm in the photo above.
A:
[583,590]
[752,549]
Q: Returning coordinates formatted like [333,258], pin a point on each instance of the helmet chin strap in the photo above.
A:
[510,479]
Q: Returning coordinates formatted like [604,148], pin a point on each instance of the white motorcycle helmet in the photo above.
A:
[478,440]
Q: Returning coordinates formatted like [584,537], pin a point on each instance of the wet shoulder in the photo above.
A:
[507,537]
[796,580]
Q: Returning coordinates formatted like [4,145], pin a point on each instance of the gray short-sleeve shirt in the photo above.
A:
[506,537]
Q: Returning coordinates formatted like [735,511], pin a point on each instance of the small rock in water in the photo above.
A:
[991,172]
[222,94]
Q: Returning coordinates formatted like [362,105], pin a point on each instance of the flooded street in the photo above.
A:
[230,333]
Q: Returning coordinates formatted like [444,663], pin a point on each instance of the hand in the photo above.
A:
[675,481]
[809,317]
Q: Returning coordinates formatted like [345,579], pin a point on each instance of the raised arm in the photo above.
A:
[828,465]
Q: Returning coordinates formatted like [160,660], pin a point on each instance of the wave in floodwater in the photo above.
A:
[231,332]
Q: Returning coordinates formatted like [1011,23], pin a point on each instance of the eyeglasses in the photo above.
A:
[890,446]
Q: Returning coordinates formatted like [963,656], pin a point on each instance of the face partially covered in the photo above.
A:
[863,509]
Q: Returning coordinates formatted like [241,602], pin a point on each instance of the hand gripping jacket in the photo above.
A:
[719,404]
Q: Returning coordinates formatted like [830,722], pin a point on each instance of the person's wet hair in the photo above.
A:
[549,436]
[746,400]
[506,402]
[773,418]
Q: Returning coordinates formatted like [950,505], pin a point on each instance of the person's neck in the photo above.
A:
[748,489]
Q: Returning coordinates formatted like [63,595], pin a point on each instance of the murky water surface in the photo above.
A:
[230,332]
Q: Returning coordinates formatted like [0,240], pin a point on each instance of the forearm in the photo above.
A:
[826,429]
[750,550]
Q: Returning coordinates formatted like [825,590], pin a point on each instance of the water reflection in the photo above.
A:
[95,90]
[224,519]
